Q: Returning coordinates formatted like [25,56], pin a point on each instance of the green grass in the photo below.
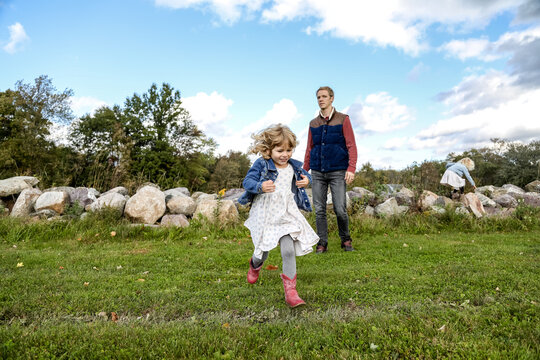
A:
[416,287]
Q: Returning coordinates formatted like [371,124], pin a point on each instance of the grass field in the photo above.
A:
[100,288]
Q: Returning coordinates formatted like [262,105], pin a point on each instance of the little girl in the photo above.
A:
[452,177]
[275,184]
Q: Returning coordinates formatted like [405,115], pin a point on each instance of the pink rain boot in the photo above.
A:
[253,273]
[291,295]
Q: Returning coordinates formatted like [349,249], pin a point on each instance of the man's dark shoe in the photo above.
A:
[321,249]
[347,245]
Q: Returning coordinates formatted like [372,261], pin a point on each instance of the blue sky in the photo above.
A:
[419,80]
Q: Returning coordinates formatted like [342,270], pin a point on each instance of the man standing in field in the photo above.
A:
[331,156]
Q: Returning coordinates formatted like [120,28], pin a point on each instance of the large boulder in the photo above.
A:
[204,197]
[443,202]
[225,209]
[405,196]
[486,190]
[387,208]
[362,193]
[119,189]
[531,199]
[427,199]
[486,202]
[473,204]
[533,186]
[177,220]
[57,201]
[112,200]
[233,194]
[169,194]
[25,202]
[181,204]
[146,206]
[506,201]
[499,212]
[513,189]
[83,196]
[16,184]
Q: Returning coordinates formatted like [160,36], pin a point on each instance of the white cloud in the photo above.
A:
[85,105]
[396,23]
[514,120]
[418,70]
[477,92]
[379,113]
[208,111]
[229,11]
[485,50]
[17,36]
[211,114]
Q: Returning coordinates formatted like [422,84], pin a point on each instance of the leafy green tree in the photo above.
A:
[151,138]
[229,171]
[26,116]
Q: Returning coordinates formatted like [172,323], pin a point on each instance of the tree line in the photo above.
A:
[152,138]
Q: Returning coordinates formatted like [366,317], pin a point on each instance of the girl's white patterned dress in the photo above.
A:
[276,214]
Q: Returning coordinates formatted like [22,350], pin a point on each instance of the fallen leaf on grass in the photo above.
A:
[442,328]
[14,246]
[226,325]
[79,239]
[140,280]
[119,267]
[113,233]
[20,264]
[497,289]
[97,234]
[86,283]
[271,267]
[61,268]
[372,346]
[405,245]
[114,317]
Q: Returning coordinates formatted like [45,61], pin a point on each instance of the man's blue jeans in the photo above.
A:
[320,183]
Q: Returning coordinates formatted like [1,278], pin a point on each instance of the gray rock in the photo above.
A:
[119,189]
[57,201]
[16,184]
[437,209]
[169,194]
[533,186]
[461,210]
[146,206]
[94,192]
[233,194]
[196,194]
[513,189]
[203,197]
[44,214]
[181,204]
[486,190]
[25,202]
[113,200]
[473,204]
[370,210]
[427,199]
[177,220]
[506,201]
[226,210]
[531,199]
[486,202]
[443,201]
[405,196]
[83,196]
[499,212]
[387,208]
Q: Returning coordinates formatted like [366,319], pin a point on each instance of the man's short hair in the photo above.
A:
[327,88]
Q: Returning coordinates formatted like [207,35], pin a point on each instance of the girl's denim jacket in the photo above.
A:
[263,170]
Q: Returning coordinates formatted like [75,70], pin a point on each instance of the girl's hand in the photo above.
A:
[304,182]
[268,186]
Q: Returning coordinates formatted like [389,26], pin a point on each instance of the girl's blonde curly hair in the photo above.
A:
[274,135]
[469,164]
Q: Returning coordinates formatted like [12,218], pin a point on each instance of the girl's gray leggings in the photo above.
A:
[288,257]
